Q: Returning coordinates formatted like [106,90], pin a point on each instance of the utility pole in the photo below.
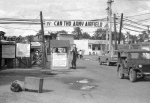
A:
[0,53]
[109,3]
[43,41]
[148,32]
[120,28]
[115,31]
[107,33]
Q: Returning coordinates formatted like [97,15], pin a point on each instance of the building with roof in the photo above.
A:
[91,47]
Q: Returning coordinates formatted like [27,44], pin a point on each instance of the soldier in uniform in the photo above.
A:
[74,57]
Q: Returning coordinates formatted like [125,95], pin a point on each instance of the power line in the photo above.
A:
[128,20]
[133,26]
[38,20]
[137,15]
[23,23]
[144,20]
[16,28]
[132,30]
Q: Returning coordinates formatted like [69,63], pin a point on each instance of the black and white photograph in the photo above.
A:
[74,51]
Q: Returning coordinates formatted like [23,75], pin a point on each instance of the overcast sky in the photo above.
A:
[67,9]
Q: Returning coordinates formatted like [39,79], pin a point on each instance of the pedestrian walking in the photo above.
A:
[74,57]
[80,54]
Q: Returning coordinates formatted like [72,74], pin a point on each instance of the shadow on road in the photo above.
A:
[81,67]
[146,79]
[43,91]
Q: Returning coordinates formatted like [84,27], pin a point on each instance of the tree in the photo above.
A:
[13,38]
[2,34]
[77,33]
[117,34]
[62,32]
[100,34]
[53,36]
[131,38]
[85,35]
[19,39]
[143,36]
[30,38]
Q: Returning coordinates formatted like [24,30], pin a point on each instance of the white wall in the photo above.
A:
[82,45]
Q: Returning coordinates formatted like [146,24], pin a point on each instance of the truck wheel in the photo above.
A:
[100,62]
[143,76]
[120,72]
[107,63]
[132,75]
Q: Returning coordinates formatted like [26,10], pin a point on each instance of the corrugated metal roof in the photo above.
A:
[35,45]
[135,51]
[8,42]
[98,41]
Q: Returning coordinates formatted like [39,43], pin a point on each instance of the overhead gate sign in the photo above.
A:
[79,23]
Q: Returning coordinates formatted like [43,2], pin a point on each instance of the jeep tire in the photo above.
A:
[107,63]
[100,62]
[132,75]
[120,72]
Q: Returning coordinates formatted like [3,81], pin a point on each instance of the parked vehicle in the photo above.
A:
[134,63]
[109,57]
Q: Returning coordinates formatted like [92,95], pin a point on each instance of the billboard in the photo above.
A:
[22,50]
[8,51]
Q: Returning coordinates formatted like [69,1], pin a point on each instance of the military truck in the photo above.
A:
[108,57]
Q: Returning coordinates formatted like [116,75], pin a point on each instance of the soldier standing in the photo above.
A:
[74,57]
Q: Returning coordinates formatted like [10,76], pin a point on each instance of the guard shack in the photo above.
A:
[60,54]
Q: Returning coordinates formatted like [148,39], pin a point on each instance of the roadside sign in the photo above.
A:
[8,51]
[59,59]
[23,50]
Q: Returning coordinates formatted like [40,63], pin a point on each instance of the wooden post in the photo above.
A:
[0,53]
[115,32]
[119,39]
[43,41]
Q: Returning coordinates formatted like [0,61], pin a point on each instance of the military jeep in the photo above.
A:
[133,63]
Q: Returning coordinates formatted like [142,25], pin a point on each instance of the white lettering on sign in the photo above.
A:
[74,23]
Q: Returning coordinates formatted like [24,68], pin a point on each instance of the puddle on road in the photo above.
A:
[82,84]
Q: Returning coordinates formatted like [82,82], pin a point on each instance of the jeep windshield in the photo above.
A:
[140,55]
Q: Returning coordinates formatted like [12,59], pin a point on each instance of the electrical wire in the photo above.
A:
[144,20]
[128,20]
[132,30]
[133,26]
[38,20]
[17,28]
[137,15]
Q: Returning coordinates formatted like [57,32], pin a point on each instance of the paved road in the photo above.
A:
[90,83]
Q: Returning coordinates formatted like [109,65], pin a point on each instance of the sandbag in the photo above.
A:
[17,86]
